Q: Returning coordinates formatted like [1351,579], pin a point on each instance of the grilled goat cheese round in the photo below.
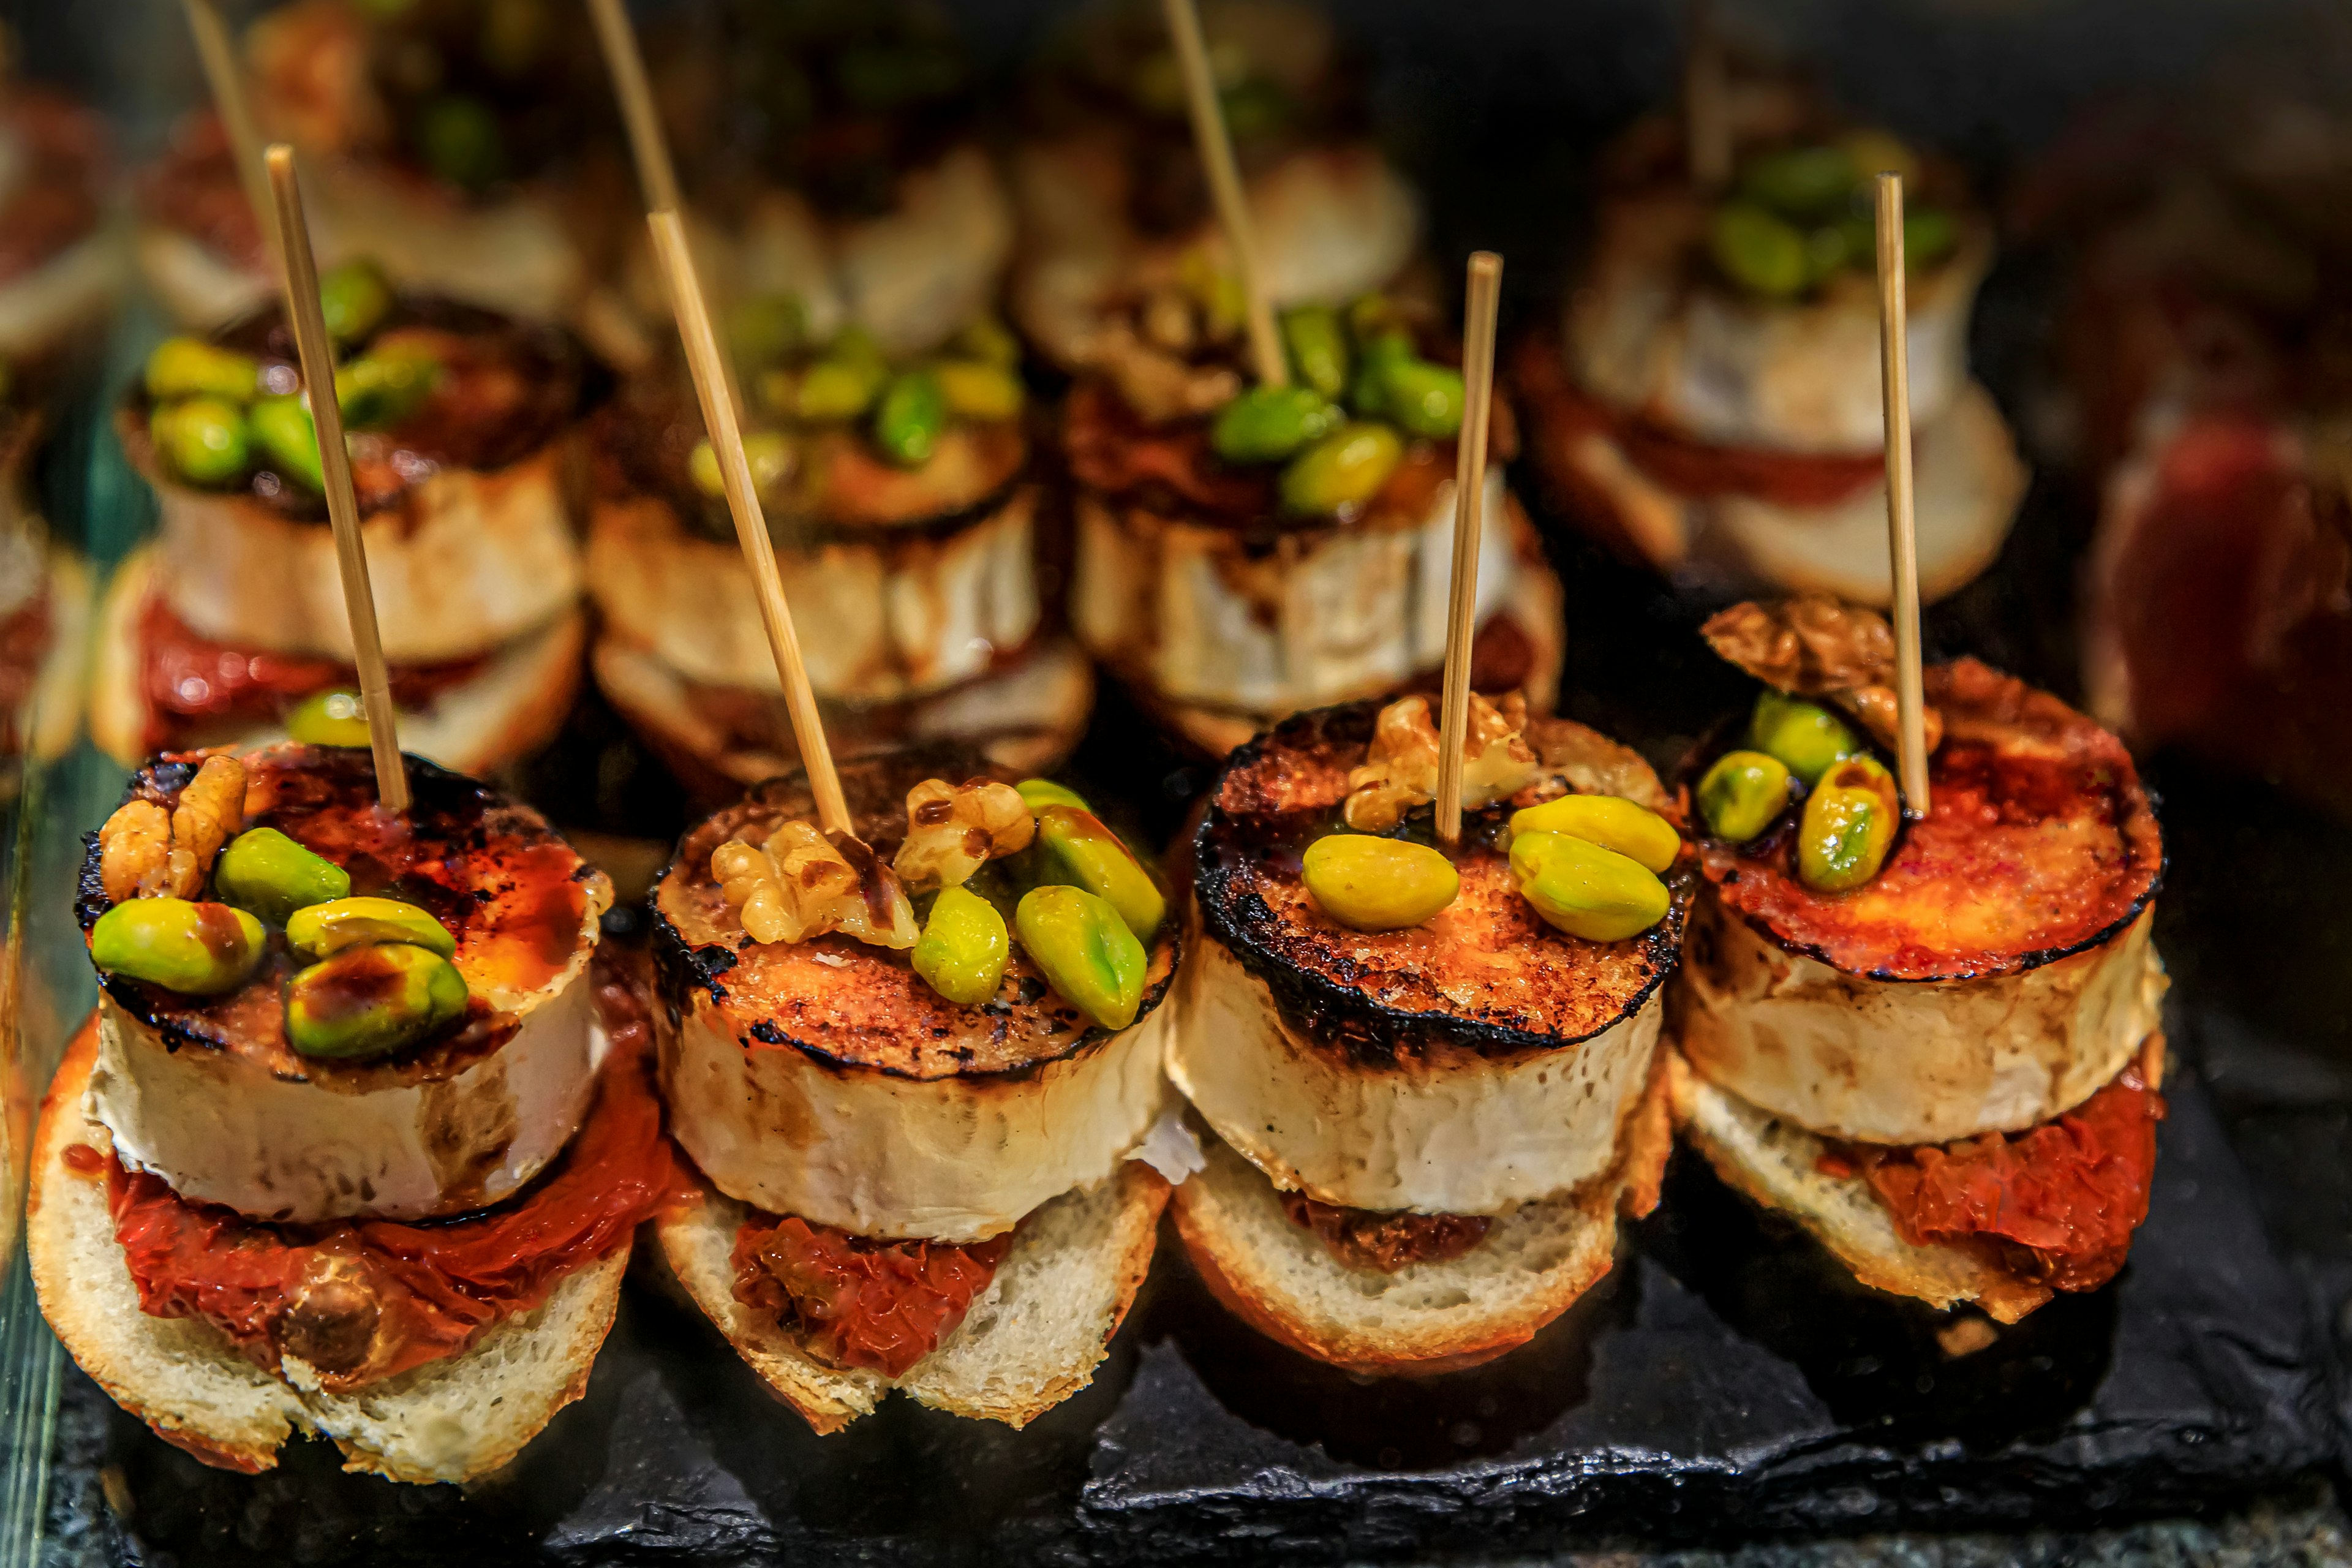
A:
[1996,972]
[207,1093]
[824,1080]
[1473,1063]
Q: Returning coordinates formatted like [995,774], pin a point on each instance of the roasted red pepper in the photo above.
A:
[880,1305]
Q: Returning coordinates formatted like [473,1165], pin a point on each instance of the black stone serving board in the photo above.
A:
[1726,1381]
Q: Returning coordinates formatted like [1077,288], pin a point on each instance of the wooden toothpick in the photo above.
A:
[655,173]
[709,369]
[1902,533]
[1469,508]
[226,79]
[1706,110]
[1216,149]
[318,356]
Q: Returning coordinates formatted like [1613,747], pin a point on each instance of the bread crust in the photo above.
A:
[1230,1221]
[183,1378]
[1774,1162]
[1102,1239]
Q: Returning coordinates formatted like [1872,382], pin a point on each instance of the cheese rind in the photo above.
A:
[221,1127]
[953,1158]
[1910,1062]
[1445,1133]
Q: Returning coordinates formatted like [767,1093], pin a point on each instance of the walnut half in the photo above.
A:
[952,830]
[1400,769]
[801,884]
[144,853]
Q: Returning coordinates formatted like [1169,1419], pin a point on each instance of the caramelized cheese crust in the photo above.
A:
[838,999]
[1486,973]
[520,901]
[2040,843]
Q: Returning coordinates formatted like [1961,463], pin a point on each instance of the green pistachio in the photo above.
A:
[1929,235]
[1805,736]
[1742,795]
[202,439]
[1092,857]
[1043,793]
[1376,355]
[1633,831]
[1317,347]
[1087,951]
[1584,889]
[1268,424]
[197,950]
[1802,183]
[768,453]
[329,719]
[354,297]
[1758,250]
[1848,825]
[963,949]
[330,927]
[980,389]
[1378,884]
[909,418]
[266,872]
[1343,470]
[1425,399]
[289,440]
[377,392]
[367,1002]
[838,388]
[988,340]
[191,367]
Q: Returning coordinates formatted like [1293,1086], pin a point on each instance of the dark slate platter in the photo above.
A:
[1726,1381]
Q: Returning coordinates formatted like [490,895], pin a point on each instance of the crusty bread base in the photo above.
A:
[1775,1163]
[510,708]
[1533,603]
[1031,1339]
[449,1420]
[1426,1318]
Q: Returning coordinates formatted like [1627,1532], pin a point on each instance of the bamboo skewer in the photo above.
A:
[1707,118]
[1216,150]
[318,356]
[1469,508]
[703,356]
[1902,533]
[655,172]
[227,80]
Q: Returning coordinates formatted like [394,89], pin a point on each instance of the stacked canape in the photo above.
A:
[889,435]
[447,140]
[358,1139]
[1936,1044]
[1246,552]
[1431,1076]
[1711,404]
[917,1067]
[232,625]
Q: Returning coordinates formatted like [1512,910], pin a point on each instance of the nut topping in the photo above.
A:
[954,829]
[142,853]
[1399,771]
[801,884]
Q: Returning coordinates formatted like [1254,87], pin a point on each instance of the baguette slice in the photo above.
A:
[450,1420]
[1776,1164]
[1031,1339]
[1426,1318]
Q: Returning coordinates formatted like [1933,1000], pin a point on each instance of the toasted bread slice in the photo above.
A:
[1031,1339]
[1426,1318]
[450,1420]
[507,709]
[1777,1164]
